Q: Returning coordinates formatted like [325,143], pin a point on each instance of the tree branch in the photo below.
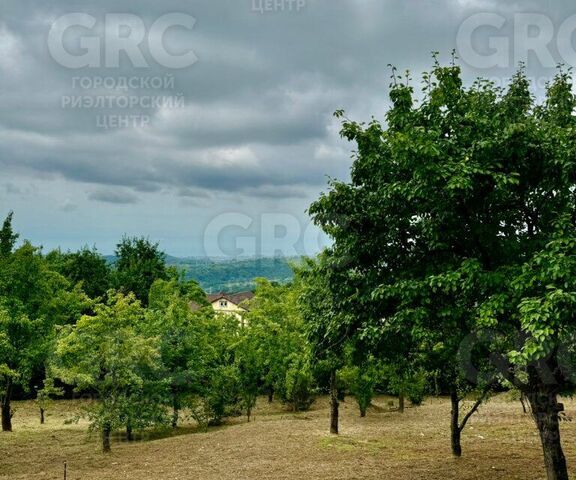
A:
[475,407]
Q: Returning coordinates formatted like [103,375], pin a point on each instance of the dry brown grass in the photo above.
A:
[500,443]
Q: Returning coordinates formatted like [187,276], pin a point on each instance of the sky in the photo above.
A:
[207,125]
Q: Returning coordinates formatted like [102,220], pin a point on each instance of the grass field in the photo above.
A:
[500,443]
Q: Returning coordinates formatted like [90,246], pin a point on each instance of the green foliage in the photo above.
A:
[410,383]
[8,237]
[326,323]
[298,389]
[222,394]
[184,342]
[139,263]
[200,411]
[45,396]
[162,291]
[455,235]
[278,344]
[85,267]
[361,381]
[249,366]
[33,300]
[19,348]
[144,364]
[108,353]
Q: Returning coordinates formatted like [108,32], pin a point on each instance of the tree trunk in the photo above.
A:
[41,416]
[401,402]
[333,403]
[175,409]
[455,431]
[270,394]
[363,411]
[5,407]
[6,417]
[129,433]
[248,413]
[523,402]
[106,431]
[545,410]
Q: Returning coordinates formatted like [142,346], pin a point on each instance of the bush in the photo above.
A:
[299,384]
[416,388]
[222,397]
[200,412]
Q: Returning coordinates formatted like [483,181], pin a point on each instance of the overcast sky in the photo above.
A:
[251,137]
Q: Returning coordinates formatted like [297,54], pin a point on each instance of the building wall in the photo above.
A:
[230,308]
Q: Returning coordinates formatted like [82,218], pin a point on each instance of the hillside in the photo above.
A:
[230,275]
[233,275]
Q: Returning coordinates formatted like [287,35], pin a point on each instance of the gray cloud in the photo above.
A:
[68,206]
[256,125]
[113,196]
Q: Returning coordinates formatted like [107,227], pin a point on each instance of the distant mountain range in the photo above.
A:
[230,275]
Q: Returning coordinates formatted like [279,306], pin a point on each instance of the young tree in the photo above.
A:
[185,347]
[249,362]
[45,396]
[298,390]
[277,333]
[107,353]
[471,183]
[361,381]
[219,396]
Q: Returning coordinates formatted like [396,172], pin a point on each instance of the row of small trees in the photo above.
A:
[139,349]
[145,344]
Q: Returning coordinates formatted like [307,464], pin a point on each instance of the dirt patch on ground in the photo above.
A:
[500,443]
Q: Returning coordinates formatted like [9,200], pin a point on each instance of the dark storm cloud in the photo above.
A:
[257,108]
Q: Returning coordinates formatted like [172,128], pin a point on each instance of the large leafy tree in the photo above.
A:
[452,223]
[85,267]
[107,352]
[326,324]
[139,262]
[33,300]
[17,357]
